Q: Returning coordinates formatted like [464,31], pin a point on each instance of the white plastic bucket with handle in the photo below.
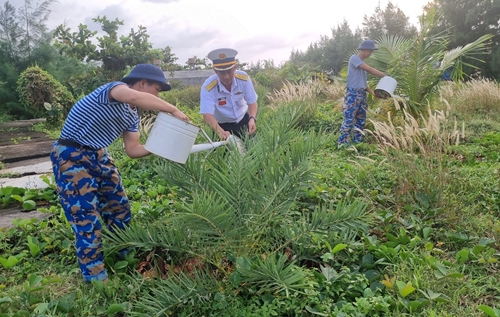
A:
[385,87]
[171,138]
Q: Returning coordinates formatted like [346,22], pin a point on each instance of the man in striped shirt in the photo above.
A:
[88,182]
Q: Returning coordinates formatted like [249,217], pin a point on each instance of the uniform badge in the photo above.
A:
[239,93]
[222,101]
[222,55]
[241,76]
[211,85]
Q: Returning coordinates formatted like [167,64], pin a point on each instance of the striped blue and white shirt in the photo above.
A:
[96,121]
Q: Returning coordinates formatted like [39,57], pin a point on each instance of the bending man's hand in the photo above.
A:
[179,114]
[251,126]
[223,135]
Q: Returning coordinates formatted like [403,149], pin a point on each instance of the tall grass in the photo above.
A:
[312,90]
[416,151]
[479,96]
[315,96]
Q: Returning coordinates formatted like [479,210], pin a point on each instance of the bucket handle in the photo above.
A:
[206,136]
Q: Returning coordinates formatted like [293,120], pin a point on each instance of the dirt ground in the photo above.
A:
[22,147]
[18,143]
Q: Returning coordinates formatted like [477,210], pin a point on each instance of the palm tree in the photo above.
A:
[242,218]
[419,63]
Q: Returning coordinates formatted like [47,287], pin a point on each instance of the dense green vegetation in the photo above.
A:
[403,225]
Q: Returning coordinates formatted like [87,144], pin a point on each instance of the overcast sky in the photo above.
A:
[258,29]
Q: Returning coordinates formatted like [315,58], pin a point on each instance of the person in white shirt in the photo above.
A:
[228,101]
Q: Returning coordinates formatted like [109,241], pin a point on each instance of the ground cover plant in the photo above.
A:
[405,224]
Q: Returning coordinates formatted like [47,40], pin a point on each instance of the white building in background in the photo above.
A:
[189,77]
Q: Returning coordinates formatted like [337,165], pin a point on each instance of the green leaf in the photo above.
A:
[29,205]
[4,300]
[477,249]
[462,256]
[22,313]
[429,246]
[17,197]
[407,290]
[391,237]
[367,293]
[33,246]
[120,265]
[115,308]
[8,263]
[339,247]
[34,280]
[40,308]
[235,279]
[486,241]
[426,232]
[415,305]
[489,311]
[455,275]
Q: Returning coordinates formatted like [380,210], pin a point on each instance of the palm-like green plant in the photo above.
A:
[419,63]
[246,210]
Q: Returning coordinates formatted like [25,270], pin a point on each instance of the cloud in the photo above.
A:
[160,1]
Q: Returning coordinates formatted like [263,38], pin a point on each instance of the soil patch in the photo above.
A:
[19,143]
[9,214]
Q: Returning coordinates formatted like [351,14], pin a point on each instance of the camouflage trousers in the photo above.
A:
[354,111]
[90,188]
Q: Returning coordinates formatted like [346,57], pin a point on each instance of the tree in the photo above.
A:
[35,31]
[24,40]
[391,21]
[343,42]
[468,20]
[115,53]
[329,53]
[418,63]
[10,32]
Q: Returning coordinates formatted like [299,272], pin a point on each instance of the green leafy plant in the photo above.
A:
[37,88]
[11,261]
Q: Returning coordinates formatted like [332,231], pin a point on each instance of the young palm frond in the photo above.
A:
[162,297]
[419,63]
[342,224]
[271,274]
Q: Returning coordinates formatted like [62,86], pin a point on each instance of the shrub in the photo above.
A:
[189,96]
[37,88]
[5,116]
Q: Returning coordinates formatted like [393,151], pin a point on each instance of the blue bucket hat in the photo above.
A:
[149,72]
[367,45]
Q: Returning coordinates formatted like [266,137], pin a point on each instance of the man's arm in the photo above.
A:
[212,123]
[371,70]
[133,148]
[123,93]
[252,111]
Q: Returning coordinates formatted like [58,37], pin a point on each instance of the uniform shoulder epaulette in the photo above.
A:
[211,85]
[241,76]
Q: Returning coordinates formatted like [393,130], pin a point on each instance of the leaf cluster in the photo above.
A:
[37,87]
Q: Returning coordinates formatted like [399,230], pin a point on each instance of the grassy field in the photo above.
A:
[405,224]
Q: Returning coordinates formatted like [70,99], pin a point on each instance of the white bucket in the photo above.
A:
[171,138]
[385,87]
